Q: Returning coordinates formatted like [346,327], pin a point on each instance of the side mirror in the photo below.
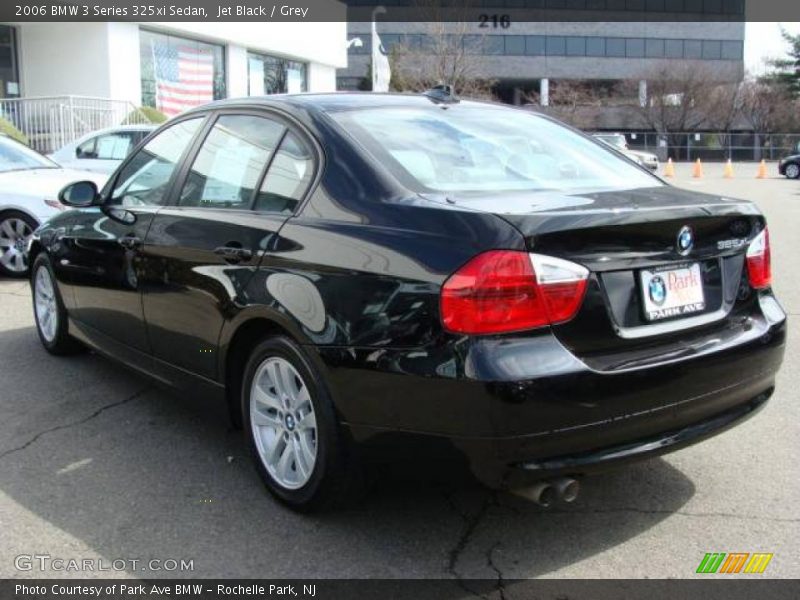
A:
[79,194]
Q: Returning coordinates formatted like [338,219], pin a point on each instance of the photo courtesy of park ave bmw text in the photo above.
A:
[425,299]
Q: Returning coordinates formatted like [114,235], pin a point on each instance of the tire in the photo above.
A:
[49,312]
[282,415]
[15,228]
[792,171]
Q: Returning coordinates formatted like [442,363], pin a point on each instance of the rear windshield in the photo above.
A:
[475,148]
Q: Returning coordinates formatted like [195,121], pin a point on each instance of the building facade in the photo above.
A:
[521,57]
[137,62]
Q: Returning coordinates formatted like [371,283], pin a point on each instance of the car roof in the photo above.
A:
[337,101]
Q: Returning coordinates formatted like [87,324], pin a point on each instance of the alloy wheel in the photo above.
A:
[14,235]
[45,304]
[283,422]
[793,171]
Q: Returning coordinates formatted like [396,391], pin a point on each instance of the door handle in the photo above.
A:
[130,242]
[234,254]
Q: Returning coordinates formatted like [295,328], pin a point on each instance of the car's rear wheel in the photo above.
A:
[300,452]
[48,310]
[792,171]
[16,229]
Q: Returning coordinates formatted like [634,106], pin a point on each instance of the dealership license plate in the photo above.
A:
[672,292]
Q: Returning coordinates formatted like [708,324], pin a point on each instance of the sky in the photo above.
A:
[763,40]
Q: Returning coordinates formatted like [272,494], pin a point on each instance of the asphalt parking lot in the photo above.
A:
[95,462]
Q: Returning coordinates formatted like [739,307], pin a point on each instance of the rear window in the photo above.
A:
[474,148]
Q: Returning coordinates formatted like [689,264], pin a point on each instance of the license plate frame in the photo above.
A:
[672,291]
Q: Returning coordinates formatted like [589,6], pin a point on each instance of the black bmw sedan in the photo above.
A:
[356,273]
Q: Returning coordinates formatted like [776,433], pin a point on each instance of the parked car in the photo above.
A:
[29,186]
[618,142]
[357,273]
[790,166]
[102,151]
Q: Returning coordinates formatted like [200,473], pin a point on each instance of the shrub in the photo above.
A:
[146,113]
[7,128]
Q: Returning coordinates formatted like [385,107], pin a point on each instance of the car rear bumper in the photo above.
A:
[520,409]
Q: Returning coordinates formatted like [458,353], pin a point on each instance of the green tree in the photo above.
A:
[787,70]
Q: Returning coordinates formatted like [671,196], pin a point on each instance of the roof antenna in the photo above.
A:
[442,94]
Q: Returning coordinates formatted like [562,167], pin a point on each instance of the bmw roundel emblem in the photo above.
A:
[685,240]
[657,290]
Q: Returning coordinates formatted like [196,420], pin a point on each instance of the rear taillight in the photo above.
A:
[505,290]
[759,268]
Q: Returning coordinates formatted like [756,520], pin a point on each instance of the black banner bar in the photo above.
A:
[397,10]
[713,588]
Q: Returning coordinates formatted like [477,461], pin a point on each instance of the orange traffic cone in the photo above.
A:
[728,172]
[697,173]
[762,170]
[669,169]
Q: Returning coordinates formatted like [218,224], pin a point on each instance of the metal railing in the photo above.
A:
[714,145]
[50,122]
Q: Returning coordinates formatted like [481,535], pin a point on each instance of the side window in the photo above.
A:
[114,146]
[87,149]
[226,171]
[288,177]
[144,180]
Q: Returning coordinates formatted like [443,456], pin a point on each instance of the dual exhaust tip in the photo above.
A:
[545,493]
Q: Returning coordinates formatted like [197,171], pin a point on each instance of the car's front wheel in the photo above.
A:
[792,171]
[300,452]
[48,310]
[15,230]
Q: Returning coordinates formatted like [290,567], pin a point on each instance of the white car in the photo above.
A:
[617,141]
[29,186]
[101,151]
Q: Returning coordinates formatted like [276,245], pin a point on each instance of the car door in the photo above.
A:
[101,253]
[202,250]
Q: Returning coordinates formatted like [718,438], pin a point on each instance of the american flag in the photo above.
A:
[184,77]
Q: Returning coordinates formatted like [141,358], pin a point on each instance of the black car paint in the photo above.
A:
[794,159]
[354,277]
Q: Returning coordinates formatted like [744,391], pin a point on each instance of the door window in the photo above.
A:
[144,180]
[112,146]
[288,177]
[229,164]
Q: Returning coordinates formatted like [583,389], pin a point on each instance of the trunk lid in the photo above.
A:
[619,234]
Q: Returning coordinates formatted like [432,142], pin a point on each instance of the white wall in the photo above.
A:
[321,78]
[64,58]
[236,71]
[124,62]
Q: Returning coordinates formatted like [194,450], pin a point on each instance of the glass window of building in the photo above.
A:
[712,49]
[534,45]
[615,47]
[9,76]
[275,75]
[515,45]
[634,48]
[179,73]
[673,48]
[692,49]
[595,46]
[576,46]
[556,45]
[654,48]
[732,50]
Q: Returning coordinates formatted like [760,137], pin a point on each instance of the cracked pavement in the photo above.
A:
[96,462]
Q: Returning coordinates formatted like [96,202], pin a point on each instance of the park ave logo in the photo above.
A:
[734,563]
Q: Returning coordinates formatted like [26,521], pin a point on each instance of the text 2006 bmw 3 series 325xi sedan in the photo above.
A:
[360,272]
